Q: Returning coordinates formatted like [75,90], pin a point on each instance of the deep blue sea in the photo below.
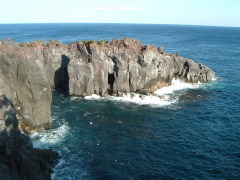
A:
[194,134]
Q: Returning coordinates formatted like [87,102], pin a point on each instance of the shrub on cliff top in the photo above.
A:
[42,42]
[107,45]
[53,42]
[101,42]
[89,41]
[104,42]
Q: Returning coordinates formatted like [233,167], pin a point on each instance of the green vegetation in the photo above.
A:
[89,41]
[42,42]
[51,42]
[107,45]
[104,42]
[30,44]
[101,42]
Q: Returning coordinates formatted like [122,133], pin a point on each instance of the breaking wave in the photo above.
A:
[176,85]
[144,99]
[50,137]
[161,97]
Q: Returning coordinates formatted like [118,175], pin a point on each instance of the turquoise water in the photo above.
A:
[193,134]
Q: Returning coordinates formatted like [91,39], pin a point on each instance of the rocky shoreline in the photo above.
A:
[18,159]
[30,71]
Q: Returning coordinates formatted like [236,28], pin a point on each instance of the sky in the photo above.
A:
[190,12]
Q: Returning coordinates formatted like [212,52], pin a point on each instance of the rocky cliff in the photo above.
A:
[18,159]
[33,69]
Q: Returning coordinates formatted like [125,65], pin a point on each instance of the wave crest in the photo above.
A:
[49,137]
[161,97]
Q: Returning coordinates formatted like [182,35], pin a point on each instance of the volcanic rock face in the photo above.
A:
[25,77]
[18,159]
[127,66]
[84,68]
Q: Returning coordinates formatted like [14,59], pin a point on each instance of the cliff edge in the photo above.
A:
[32,70]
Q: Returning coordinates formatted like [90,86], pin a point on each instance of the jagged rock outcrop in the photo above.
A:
[18,159]
[32,70]
[25,76]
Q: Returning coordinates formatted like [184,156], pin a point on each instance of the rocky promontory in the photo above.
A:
[32,70]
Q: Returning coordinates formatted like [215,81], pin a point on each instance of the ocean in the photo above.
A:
[192,134]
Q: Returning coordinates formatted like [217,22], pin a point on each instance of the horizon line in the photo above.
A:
[116,23]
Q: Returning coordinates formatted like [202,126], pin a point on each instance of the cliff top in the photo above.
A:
[29,50]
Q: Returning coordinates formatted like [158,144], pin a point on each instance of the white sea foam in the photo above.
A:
[214,78]
[74,97]
[93,97]
[49,137]
[143,99]
[175,86]
[162,97]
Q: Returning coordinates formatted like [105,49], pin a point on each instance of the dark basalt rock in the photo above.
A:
[18,159]
[84,68]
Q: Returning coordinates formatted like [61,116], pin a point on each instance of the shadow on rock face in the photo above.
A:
[111,80]
[61,78]
[18,159]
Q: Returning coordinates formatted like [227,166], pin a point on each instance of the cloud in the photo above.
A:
[85,15]
[150,14]
[124,8]
[112,15]
[106,11]
[110,9]
[98,9]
